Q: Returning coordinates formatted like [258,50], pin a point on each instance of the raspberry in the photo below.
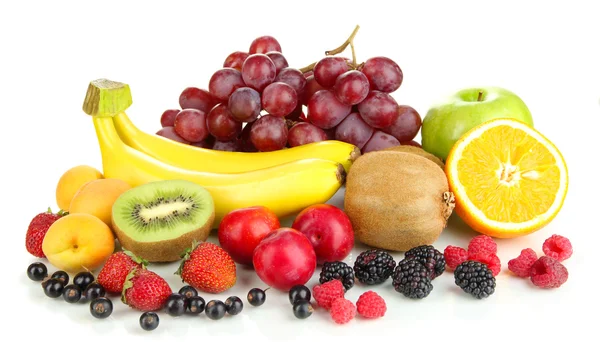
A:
[342,310]
[371,305]
[482,244]
[548,273]
[454,256]
[327,292]
[558,247]
[491,260]
[521,265]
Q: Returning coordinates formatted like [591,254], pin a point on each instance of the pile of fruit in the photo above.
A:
[239,158]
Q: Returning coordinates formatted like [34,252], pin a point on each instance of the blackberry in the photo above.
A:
[475,278]
[337,270]
[411,279]
[373,266]
[430,257]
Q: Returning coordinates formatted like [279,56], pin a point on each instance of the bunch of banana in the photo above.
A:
[285,181]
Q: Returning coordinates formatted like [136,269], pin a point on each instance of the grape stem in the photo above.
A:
[341,48]
[480,96]
[308,67]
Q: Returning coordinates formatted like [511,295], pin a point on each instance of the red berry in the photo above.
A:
[38,227]
[558,247]
[521,265]
[491,260]
[454,256]
[342,310]
[116,268]
[328,292]
[371,305]
[548,273]
[482,244]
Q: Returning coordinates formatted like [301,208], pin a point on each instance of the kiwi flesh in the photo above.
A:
[158,221]
[418,151]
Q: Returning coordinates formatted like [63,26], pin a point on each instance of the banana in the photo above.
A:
[202,159]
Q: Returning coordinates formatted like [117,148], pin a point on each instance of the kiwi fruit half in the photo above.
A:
[158,221]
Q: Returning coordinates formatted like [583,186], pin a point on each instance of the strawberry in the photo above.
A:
[208,268]
[114,272]
[37,229]
[145,290]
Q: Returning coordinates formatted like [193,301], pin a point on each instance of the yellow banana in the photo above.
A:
[202,159]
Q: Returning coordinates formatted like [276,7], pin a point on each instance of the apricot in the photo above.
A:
[78,242]
[71,181]
[97,198]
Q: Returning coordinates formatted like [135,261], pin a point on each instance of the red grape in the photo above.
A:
[258,71]
[245,142]
[379,109]
[206,143]
[224,82]
[325,111]
[278,59]
[231,146]
[312,86]
[354,130]
[380,141]
[383,74]
[292,77]
[407,124]
[308,74]
[190,124]
[327,70]
[169,133]
[305,133]
[351,87]
[264,44]
[221,124]
[297,114]
[330,133]
[279,99]
[195,98]
[235,60]
[411,143]
[167,119]
[244,104]
[269,133]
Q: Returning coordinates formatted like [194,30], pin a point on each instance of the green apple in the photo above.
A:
[447,121]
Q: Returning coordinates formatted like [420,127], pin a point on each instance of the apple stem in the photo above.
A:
[480,96]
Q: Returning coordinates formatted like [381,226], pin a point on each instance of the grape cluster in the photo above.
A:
[257,102]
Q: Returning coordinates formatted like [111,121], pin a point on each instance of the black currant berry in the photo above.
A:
[302,309]
[299,292]
[188,291]
[62,276]
[234,305]
[175,305]
[93,291]
[195,305]
[53,288]
[256,297]
[37,271]
[101,307]
[215,309]
[149,321]
[72,293]
[83,279]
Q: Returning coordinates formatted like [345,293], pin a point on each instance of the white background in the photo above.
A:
[546,52]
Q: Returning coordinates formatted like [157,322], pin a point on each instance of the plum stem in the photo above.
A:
[480,96]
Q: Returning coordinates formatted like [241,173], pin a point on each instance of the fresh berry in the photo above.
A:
[188,291]
[195,305]
[521,265]
[83,279]
[482,244]
[175,305]
[337,270]
[72,293]
[37,271]
[374,266]
[491,260]
[234,305]
[145,290]
[62,276]
[149,321]
[115,270]
[455,256]
[325,294]
[101,307]
[342,311]
[37,229]
[93,291]
[215,309]
[53,288]
[371,305]
[302,309]
[411,278]
[208,268]
[475,278]
[299,292]
[558,247]
[430,257]
[256,297]
[548,273]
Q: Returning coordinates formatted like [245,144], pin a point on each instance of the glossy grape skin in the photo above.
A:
[305,133]
[221,124]
[379,109]
[235,60]
[258,71]
[278,59]
[379,141]
[351,87]
[325,111]
[269,133]
[354,130]
[327,70]
[231,146]
[245,142]
[264,44]
[167,119]
[312,86]
[407,124]
[244,104]
[169,133]
[383,74]
[294,78]
[196,98]
[224,82]
[190,124]
[279,99]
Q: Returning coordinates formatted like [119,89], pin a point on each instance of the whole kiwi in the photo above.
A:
[397,201]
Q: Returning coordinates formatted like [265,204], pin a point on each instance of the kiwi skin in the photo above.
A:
[418,151]
[397,201]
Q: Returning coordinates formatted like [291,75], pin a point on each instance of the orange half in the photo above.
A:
[508,179]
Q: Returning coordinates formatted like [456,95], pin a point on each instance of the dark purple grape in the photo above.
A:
[411,143]
[222,125]
[351,87]
[190,124]
[305,133]
[297,114]
[169,133]
[327,70]
[278,59]
[244,104]
[383,74]
[380,141]
[379,109]
[231,146]
[245,142]
[354,130]
[312,86]
[294,78]
[235,60]
[167,119]
[269,133]
[196,98]
[258,71]
[224,82]
[407,124]
[206,143]
[279,99]
[264,44]
[325,111]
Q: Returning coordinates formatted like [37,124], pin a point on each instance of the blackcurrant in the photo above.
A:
[188,291]
[195,305]
[72,293]
[37,271]
[93,291]
[299,292]
[149,321]
[302,309]
[175,305]
[215,309]
[234,305]
[101,307]
[256,297]
[62,276]
[83,279]
[53,288]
